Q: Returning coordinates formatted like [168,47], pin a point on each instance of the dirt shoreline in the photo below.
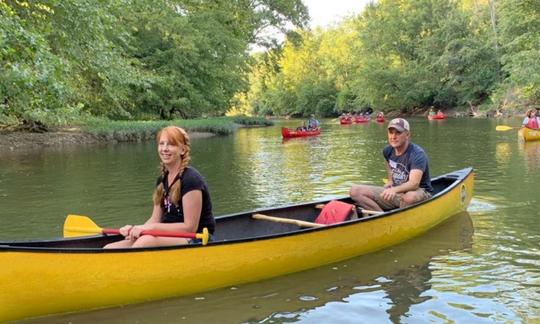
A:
[24,141]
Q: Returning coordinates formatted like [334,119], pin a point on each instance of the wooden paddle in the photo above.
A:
[503,128]
[77,225]
[286,220]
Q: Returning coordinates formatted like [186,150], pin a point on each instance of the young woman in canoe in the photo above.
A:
[181,198]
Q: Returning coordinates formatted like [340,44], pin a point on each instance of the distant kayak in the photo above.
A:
[379,119]
[290,133]
[436,116]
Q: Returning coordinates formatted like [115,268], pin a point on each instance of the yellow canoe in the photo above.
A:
[529,134]
[74,274]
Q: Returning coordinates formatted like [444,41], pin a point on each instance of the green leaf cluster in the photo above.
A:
[405,55]
[63,61]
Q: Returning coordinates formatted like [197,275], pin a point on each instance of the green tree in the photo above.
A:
[519,31]
[422,53]
[122,59]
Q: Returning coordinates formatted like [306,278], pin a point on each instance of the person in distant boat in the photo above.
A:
[440,113]
[408,173]
[181,198]
[380,114]
[431,111]
[312,123]
[529,118]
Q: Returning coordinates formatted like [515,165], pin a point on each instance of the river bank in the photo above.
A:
[105,132]
[24,141]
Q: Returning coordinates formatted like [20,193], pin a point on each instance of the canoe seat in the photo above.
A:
[335,212]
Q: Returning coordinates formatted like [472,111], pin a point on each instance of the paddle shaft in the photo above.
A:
[286,220]
[150,232]
[156,233]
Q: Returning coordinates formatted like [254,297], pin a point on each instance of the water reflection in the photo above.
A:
[395,279]
[311,140]
[502,153]
[531,154]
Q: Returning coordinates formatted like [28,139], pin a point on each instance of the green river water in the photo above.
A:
[482,266]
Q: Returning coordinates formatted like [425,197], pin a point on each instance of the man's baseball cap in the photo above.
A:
[399,124]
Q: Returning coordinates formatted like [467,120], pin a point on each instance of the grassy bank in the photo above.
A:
[142,130]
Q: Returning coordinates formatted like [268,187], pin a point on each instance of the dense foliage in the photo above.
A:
[67,61]
[64,60]
[405,55]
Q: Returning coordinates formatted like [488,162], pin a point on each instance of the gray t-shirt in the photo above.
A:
[400,166]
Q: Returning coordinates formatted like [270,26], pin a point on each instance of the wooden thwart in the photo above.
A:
[286,220]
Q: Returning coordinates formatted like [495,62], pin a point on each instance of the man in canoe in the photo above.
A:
[181,197]
[312,123]
[408,173]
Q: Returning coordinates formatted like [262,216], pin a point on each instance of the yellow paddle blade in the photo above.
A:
[77,225]
[503,128]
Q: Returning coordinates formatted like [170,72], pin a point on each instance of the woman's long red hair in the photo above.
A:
[176,136]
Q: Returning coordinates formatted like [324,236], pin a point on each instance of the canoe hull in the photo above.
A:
[360,120]
[436,117]
[290,133]
[528,134]
[63,280]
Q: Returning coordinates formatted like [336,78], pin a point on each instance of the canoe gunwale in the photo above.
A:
[458,177]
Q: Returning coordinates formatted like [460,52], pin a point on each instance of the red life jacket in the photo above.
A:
[334,212]
[532,123]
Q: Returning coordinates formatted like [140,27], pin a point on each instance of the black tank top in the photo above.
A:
[191,179]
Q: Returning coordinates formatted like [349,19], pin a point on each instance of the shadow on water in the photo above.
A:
[394,279]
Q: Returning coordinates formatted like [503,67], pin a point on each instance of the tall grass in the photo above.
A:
[143,130]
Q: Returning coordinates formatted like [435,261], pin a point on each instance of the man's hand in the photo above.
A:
[388,194]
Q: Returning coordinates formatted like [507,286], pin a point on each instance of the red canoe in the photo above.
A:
[289,133]
[436,116]
[361,119]
[345,121]
[379,119]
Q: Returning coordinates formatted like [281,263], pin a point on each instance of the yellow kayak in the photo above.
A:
[529,134]
[74,274]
